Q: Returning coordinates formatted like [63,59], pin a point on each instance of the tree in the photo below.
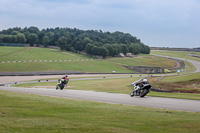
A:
[1,38]
[14,39]
[146,49]
[21,38]
[15,32]
[104,52]
[88,48]
[95,50]
[62,43]
[100,51]
[33,38]
[110,49]
[41,35]
[133,48]
[45,41]
[26,33]
[34,30]
[79,40]
[113,49]
[124,49]
[7,38]
[51,37]
[85,41]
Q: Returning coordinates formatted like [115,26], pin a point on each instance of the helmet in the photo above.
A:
[66,75]
[145,80]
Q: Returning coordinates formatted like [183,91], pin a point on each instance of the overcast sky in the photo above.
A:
[164,23]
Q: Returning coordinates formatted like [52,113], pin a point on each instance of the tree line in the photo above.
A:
[94,42]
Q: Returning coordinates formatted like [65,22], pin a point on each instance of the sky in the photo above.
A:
[157,23]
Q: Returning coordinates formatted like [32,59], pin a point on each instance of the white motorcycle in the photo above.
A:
[140,90]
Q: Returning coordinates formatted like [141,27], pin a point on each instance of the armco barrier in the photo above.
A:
[39,73]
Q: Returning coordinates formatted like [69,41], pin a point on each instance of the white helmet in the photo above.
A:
[145,80]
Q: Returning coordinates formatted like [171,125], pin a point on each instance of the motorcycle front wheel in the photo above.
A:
[132,94]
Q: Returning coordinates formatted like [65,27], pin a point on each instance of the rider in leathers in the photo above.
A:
[141,84]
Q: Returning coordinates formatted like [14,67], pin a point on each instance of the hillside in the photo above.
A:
[22,59]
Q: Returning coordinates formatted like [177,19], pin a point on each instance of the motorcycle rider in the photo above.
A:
[63,81]
[145,81]
[66,79]
[141,84]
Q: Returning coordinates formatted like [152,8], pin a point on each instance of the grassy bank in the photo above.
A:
[23,59]
[26,113]
[145,60]
[185,77]
[186,83]
[43,59]
[94,66]
[32,53]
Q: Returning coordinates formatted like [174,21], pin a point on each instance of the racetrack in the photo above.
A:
[195,63]
[154,102]
[115,98]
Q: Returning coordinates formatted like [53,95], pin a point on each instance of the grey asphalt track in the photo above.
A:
[114,98]
[195,63]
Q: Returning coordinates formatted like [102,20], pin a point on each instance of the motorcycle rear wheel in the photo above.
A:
[145,91]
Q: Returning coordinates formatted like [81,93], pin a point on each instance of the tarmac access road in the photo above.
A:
[114,98]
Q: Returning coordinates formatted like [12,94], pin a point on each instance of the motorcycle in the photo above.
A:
[61,84]
[141,90]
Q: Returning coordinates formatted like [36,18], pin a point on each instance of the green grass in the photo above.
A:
[83,66]
[191,96]
[26,113]
[186,84]
[30,53]
[145,60]
[186,77]
[196,53]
